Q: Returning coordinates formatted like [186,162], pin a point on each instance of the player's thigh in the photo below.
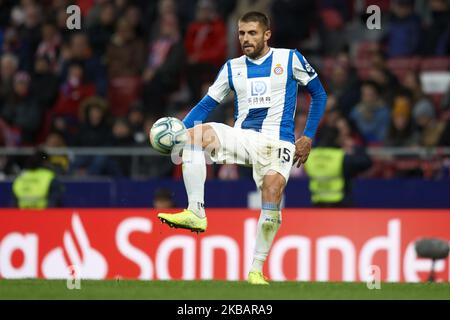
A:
[275,159]
[230,146]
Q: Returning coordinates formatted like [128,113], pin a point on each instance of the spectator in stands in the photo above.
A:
[401,132]
[163,199]
[348,129]
[160,8]
[59,163]
[95,131]
[12,43]
[437,34]
[345,87]
[331,166]
[8,67]
[431,128]
[95,12]
[49,46]
[136,119]
[411,81]
[30,33]
[21,109]
[133,15]
[102,29]
[72,92]
[379,72]
[331,26]
[37,186]
[81,53]
[10,137]
[61,17]
[125,54]
[371,115]
[165,62]
[404,30]
[44,83]
[206,47]
[122,137]
[121,133]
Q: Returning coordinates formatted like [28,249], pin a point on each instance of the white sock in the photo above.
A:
[268,224]
[194,176]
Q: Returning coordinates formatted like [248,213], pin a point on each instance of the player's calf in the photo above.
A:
[194,166]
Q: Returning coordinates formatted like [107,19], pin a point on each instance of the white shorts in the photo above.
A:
[251,148]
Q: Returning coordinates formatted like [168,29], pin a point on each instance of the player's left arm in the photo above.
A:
[307,76]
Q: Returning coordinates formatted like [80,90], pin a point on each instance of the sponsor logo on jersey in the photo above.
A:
[259,92]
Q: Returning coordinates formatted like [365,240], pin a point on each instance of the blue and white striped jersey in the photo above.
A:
[265,90]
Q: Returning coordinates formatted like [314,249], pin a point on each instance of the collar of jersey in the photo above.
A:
[262,59]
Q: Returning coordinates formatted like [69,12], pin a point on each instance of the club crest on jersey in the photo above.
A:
[278,69]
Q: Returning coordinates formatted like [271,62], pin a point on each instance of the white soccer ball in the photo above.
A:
[167,133]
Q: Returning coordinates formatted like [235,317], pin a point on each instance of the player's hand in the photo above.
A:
[302,150]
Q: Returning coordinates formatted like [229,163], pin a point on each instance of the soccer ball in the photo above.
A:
[167,133]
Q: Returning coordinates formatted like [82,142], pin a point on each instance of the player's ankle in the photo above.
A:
[198,209]
[257,265]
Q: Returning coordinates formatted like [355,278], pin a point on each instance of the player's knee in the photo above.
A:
[195,135]
[271,193]
[201,135]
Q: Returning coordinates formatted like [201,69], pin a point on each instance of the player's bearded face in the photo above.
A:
[253,39]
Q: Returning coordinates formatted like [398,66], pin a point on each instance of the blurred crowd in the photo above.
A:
[135,61]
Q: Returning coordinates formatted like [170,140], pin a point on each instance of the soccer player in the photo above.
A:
[264,81]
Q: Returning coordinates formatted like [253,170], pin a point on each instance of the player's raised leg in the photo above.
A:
[194,176]
[268,224]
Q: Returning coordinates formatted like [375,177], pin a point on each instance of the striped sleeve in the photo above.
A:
[221,86]
[303,72]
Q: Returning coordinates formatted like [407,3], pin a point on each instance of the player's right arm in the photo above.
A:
[216,93]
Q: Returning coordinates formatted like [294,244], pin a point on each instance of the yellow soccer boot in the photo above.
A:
[185,220]
[257,277]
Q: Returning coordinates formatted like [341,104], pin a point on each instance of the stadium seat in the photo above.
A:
[365,49]
[435,64]
[400,66]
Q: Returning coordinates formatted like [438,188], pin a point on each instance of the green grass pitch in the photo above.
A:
[205,290]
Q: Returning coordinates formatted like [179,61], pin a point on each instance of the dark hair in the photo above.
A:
[372,84]
[329,139]
[255,16]
[163,194]
[37,159]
